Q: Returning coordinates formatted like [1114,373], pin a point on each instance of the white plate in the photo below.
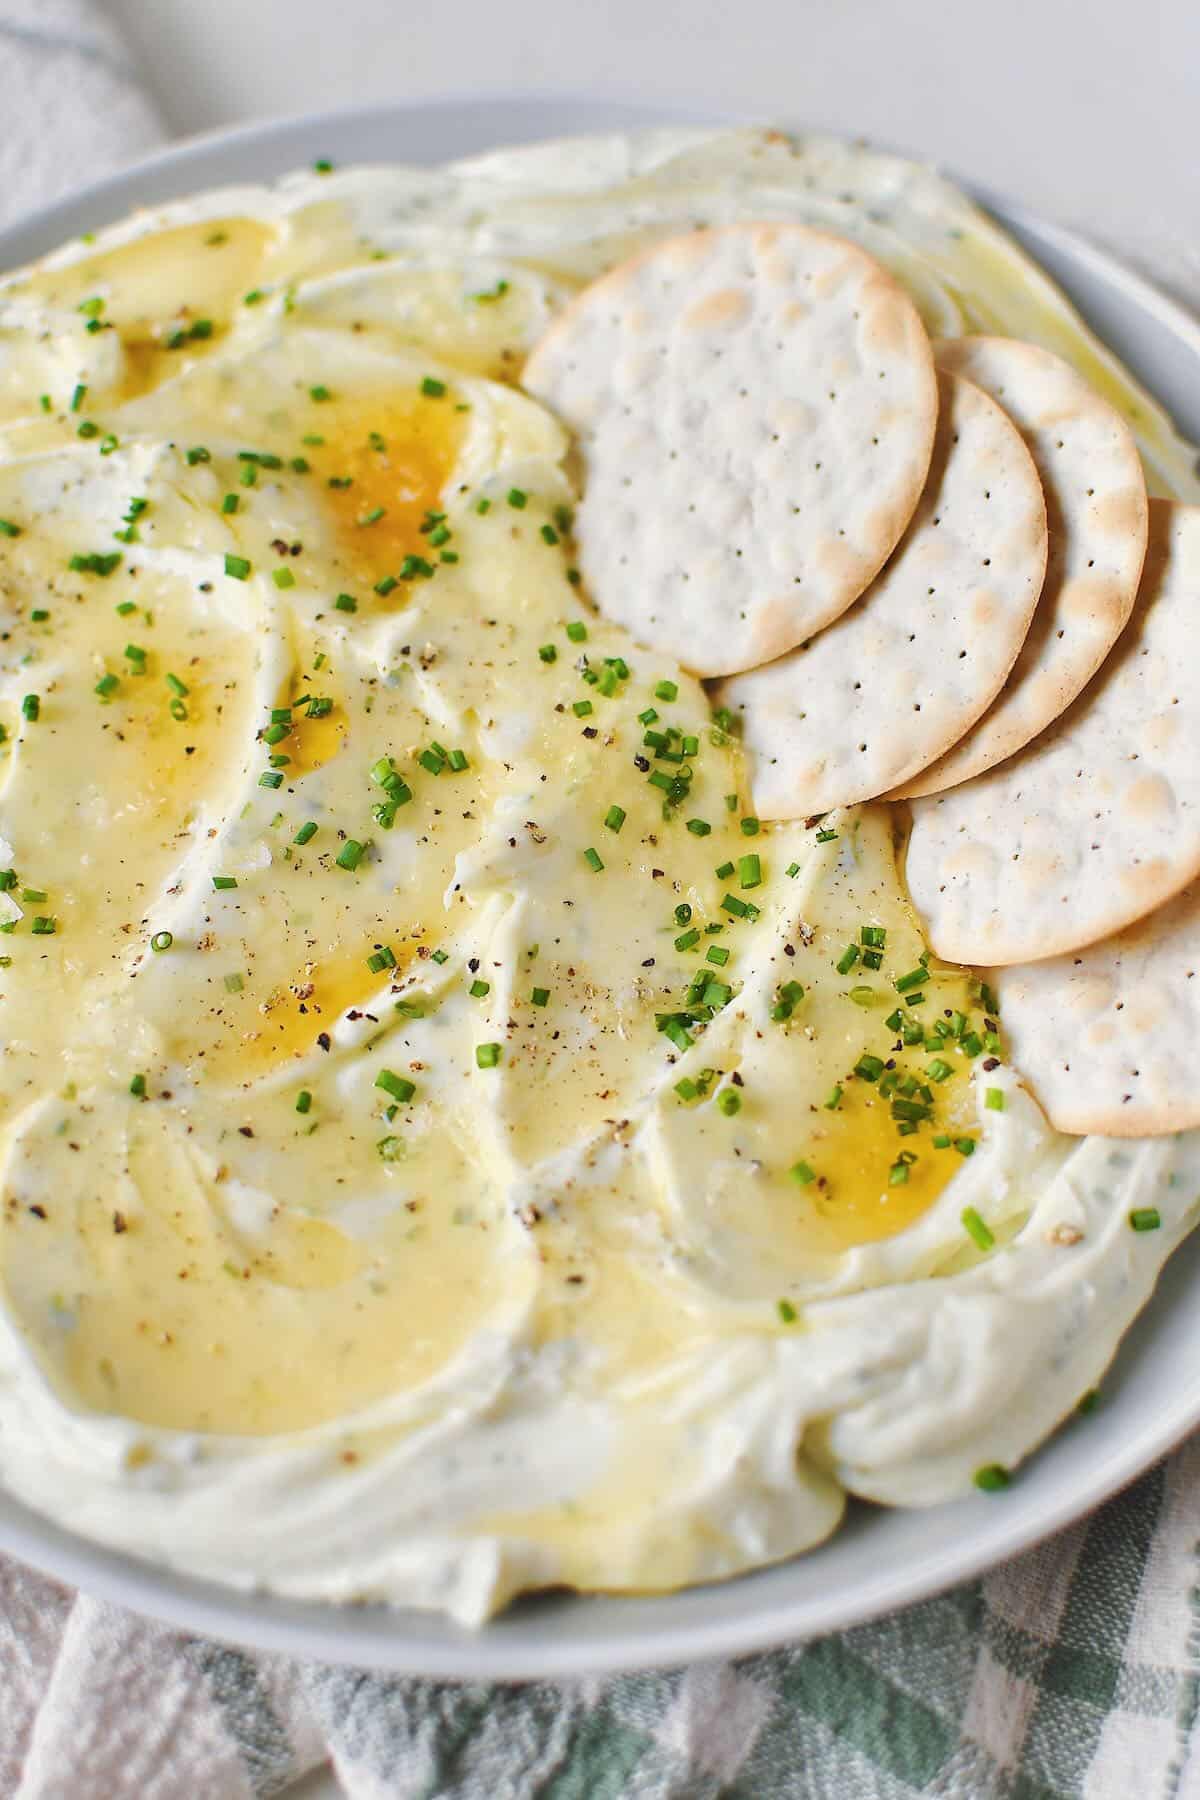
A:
[880,1559]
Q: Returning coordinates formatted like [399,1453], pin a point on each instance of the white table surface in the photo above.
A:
[1088,112]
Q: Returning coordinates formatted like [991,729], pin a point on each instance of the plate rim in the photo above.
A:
[408,1641]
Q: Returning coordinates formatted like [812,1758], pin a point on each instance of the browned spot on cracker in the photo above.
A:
[726,307]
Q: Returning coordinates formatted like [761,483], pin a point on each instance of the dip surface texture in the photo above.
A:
[448,1145]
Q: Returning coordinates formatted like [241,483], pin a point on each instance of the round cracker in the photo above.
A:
[1096,823]
[755,408]
[1096,504]
[885,689]
[1105,1037]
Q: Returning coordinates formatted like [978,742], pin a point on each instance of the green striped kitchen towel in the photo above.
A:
[1071,1671]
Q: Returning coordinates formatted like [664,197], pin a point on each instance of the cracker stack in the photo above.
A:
[946,588]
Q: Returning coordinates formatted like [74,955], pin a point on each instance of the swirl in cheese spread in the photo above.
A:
[447,1146]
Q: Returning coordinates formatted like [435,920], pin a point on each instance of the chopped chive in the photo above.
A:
[432,388]
[517,497]
[548,653]
[592,859]
[31,707]
[381,959]
[992,1478]
[8,529]
[870,1068]
[319,393]
[581,708]
[176,686]
[699,827]
[847,959]
[416,567]
[786,1311]
[487,1055]
[283,578]
[826,837]
[479,989]
[46,927]
[1145,1218]
[614,818]
[221,882]
[441,956]
[729,1101]
[666,690]
[750,827]
[577,631]
[162,940]
[496,293]
[977,1228]
[397,1086]
[833,1101]
[914,978]
[458,760]
[350,854]
[965,1146]
[993,1099]
[802,1174]
[303,1101]
[270,778]
[749,872]
[137,1087]
[306,833]
[687,939]
[107,686]
[237,566]
[540,997]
